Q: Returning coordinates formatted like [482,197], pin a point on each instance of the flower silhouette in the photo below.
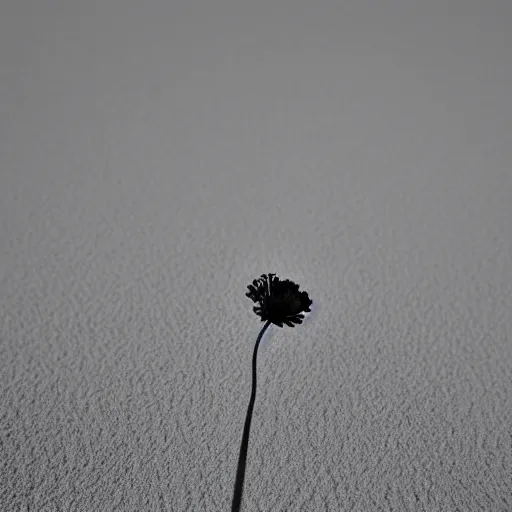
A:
[279,301]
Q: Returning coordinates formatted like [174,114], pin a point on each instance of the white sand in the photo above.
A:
[157,156]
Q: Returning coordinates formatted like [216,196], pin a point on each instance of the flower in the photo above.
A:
[278,301]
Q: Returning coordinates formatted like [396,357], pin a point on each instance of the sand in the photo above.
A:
[157,156]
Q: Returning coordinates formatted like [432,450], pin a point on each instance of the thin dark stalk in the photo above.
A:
[242,459]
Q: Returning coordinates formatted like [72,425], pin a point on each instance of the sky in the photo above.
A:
[156,157]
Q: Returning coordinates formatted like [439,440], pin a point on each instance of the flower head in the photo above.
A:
[278,301]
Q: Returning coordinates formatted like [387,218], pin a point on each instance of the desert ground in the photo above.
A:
[157,156]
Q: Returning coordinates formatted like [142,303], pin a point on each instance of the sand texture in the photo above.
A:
[157,156]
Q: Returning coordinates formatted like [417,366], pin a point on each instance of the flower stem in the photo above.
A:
[242,458]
